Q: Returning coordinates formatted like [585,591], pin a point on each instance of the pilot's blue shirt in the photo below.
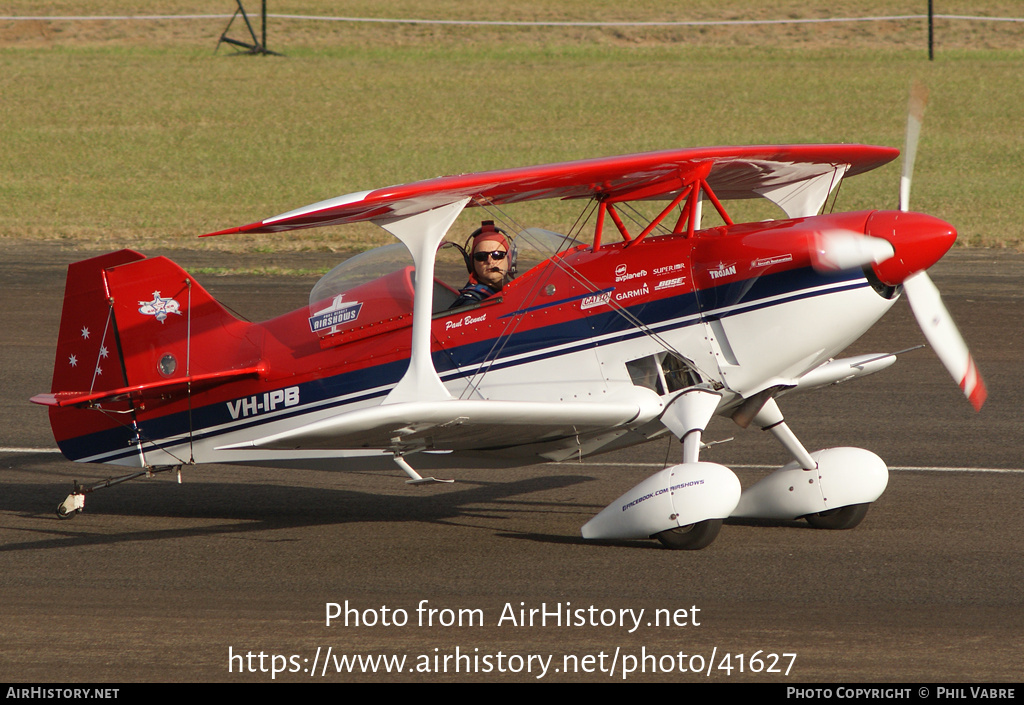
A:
[473,293]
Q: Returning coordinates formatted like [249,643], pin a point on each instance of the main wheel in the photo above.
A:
[842,518]
[692,536]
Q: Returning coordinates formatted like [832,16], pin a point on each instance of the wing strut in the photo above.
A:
[689,217]
[422,233]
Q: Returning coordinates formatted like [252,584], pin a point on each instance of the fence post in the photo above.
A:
[931,33]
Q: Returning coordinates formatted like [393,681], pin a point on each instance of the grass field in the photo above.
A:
[138,133]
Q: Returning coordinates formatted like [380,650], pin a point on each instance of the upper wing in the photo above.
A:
[776,172]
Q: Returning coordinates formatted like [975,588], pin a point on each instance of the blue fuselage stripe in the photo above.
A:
[607,327]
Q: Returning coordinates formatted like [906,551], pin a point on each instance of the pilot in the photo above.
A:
[488,265]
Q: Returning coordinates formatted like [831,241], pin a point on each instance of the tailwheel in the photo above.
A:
[842,518]
[690,537]
[72,505]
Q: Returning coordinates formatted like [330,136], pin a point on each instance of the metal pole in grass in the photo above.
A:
[931,33]
[256,47]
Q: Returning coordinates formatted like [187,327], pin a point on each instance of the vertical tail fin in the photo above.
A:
[137,337]
[87,354]
[88,357]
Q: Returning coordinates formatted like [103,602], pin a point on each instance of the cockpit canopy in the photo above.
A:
[378,284]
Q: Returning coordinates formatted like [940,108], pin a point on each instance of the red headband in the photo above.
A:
[489,234]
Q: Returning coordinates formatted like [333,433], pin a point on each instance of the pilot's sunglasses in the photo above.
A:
[482,256]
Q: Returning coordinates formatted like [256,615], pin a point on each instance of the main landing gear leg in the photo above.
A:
[688,416]
[831,489]
[682,506]
[770,418]
[75,502]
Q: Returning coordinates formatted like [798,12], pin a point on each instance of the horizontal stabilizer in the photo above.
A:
[165,390]
[458,424]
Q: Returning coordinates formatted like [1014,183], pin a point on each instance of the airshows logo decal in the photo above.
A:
[663,490]
[336,314]
[159,307]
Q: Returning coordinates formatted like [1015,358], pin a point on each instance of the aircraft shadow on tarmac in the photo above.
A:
[248,507]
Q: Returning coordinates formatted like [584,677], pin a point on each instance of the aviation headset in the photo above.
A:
[487,226]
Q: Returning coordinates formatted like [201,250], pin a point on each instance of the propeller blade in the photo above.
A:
[835,250]
[940,330]
[915,116]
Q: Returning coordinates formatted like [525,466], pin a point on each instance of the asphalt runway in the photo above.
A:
[229,575]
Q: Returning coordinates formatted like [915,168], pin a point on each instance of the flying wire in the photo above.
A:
[491,357]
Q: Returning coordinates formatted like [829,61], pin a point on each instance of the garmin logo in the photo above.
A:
[627,295]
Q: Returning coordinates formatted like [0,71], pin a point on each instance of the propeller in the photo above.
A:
[915,117]
[942,334]
[839,249]
[917,241]
[922,294]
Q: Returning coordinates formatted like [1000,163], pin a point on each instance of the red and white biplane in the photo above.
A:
[636,332]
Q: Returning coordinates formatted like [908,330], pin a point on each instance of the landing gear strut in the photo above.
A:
[682,506]
[74,503]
